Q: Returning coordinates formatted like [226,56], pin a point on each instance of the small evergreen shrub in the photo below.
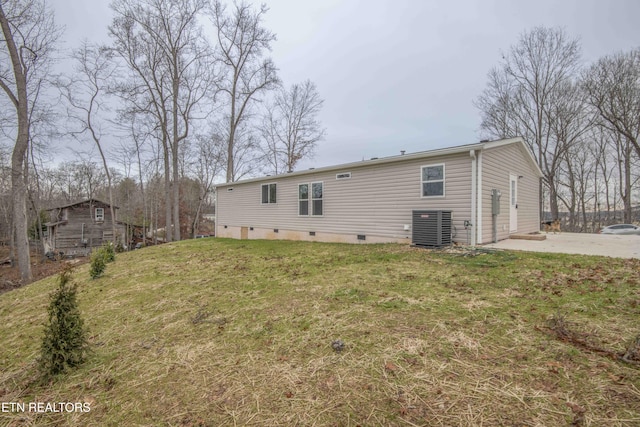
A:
[64,345]
[97,264]
[108,252]
[99,259]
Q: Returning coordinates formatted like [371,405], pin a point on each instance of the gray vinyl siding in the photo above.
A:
[497,164]
[79,222]
[377,200]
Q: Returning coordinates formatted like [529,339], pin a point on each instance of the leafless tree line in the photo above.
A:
[186,108]
[581,122]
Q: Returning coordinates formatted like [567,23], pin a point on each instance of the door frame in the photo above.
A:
[513,203]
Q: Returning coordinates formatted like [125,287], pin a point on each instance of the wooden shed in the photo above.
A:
[78,227]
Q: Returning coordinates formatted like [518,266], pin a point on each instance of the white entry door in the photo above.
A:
[513,203]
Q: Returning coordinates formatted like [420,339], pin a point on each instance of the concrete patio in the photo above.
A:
[577,243]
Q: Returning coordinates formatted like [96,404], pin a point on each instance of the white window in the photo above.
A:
[303,199]
[433,180]
[269,193]
[99,214]
[316,199]
[311,194]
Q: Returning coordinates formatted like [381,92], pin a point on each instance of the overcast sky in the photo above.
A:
[400,74]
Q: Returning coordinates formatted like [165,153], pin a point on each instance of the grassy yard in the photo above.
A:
[213,332]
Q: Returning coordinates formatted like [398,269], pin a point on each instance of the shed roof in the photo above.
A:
[405,157]
[92,200]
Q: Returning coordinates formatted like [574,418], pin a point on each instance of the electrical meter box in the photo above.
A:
[495,202]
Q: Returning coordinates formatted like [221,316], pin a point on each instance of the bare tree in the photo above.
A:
[520,94]
[85,177]
[242,41]
[29,34]
[290,128]
[207,165]
[613,88]
[569,121]
[84,95]
[575,189]
[161,43]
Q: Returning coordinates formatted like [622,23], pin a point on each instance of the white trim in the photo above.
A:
[268,184]
[444,180]
[311,199]
[307,199]
[501,142]
[474,195]
[523,147]
[479,205]
[513,203]
[99,218]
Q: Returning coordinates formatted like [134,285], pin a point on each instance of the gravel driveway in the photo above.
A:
[576,243]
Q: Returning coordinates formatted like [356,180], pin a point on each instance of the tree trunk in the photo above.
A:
[553,199]
[232,131]
[627,184]
[168,231]
[176,197]
[19,197]
[18,178]
[144,197]
[175,150]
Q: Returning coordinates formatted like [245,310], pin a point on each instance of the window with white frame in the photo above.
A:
[303,199]
[433,180]
[316,199]
[269,193]
[99,214]
[311,194]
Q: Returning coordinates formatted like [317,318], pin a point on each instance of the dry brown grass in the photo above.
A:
[216,332]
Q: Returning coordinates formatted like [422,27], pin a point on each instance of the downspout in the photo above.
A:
[474,172]
[479,201]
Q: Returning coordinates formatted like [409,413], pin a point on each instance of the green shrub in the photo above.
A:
[108,252]
[99,259]
[98,264]
[64,344]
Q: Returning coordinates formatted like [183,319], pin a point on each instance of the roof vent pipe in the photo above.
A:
[402,152]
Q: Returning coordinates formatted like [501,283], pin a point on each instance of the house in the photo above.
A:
[77,227]
[491,189]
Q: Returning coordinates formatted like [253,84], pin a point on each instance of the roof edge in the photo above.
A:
[374,161]
[523,146]
[397,158]
[68,205]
